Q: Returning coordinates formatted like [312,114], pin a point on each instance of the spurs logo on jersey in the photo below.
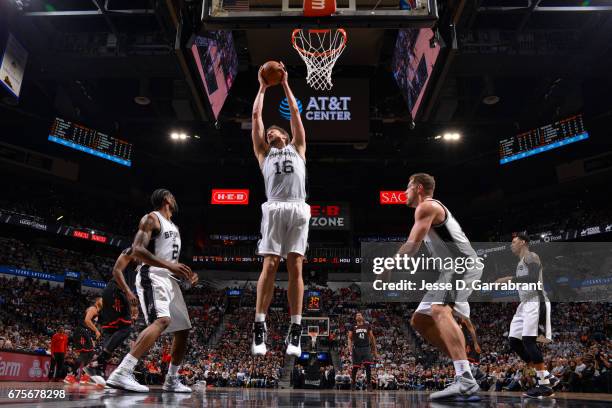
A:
[167,243]
[284,173]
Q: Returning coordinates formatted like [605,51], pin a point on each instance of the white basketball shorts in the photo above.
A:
[160,296]
[284,228]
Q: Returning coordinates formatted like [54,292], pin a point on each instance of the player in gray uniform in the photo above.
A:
[433,319]
[532,317]
[157,245]
[285,215]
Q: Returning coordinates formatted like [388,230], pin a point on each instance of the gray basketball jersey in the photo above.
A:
[447,239]
[522,270]
[284,173]
[167,243]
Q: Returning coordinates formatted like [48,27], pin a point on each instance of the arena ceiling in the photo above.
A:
[90,59]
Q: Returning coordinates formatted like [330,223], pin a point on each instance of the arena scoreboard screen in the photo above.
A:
[542,139]
[313,300]
[91,141]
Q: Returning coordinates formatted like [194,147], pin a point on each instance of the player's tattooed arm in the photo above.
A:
[149,224]
[122,262]
[532,261]
[260,147]
[297,127]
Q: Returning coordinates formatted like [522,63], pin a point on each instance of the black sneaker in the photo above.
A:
[554,381]
[258,348]
[539,392]
[294,347]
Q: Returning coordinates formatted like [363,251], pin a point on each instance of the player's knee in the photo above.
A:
[272,264]
[416,322]
[532,350]
[515,344]
[163,322]
[439,312]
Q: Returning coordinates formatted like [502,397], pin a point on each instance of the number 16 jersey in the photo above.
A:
[284,173]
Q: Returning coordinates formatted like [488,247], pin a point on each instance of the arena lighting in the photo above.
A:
[174,136]
[183,136]
[196,136]
[437,137]
[59,218]
[451,137]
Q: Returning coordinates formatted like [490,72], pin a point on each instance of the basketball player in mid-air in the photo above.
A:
[119,309]
[362,346]
[83,339]
[443,237]
[157,245]
[285,215]
[532,316]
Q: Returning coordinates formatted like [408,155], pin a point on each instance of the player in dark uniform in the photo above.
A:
[472,348]
[120,309]
[84,336]
[362,344]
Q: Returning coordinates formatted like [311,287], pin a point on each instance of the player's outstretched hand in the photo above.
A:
[285,78]
[194,278]
[181,271]
[505,279]
[132,299]
[262,81]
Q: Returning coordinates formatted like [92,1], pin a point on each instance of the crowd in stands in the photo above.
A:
[579,355]
[42,258]
[47,201]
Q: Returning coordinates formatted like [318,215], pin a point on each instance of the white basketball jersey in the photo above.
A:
[447,239]
[284,172]
[167,244]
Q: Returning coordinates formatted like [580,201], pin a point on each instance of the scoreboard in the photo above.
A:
[91,141]
[542,139]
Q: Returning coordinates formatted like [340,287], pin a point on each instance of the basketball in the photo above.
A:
[272,72]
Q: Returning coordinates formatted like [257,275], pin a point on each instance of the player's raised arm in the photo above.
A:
[297,128]
[149,224]
[258,132]
[423,218]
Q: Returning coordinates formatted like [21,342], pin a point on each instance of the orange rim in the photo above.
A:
[319,31]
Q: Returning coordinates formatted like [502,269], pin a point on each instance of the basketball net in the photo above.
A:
[313,338]
[319,49]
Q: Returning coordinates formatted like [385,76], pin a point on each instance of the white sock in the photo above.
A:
[297,319]
[260,317]
[542,377]
[128,363]
[462,366]
[173,369]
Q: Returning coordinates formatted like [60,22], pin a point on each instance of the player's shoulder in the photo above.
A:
[427,208]
[150,221]
[532,257]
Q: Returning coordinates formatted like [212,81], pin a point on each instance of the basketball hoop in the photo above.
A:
[320,49]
